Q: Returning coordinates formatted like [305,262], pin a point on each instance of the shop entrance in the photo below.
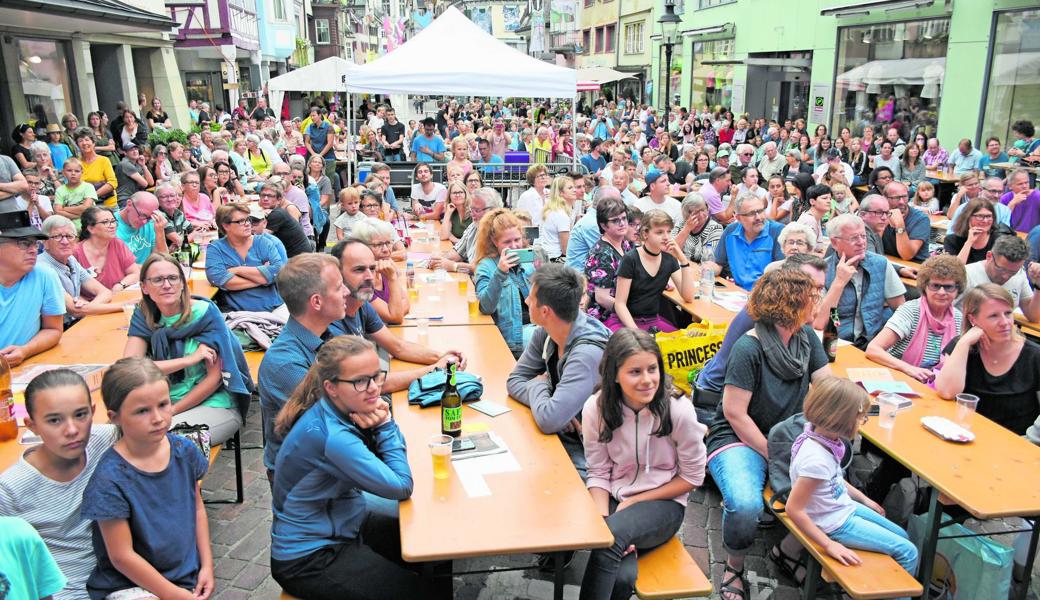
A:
[778,85]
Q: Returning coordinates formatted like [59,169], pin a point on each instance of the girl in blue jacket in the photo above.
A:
[340,440]
[502,281]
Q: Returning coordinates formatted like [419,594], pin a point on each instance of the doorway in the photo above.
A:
[778,85]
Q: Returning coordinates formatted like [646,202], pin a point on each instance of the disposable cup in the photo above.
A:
[966,406]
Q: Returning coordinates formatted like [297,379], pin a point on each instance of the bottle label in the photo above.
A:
[451,418]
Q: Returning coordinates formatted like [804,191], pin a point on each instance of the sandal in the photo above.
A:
[727,584]
[789,565]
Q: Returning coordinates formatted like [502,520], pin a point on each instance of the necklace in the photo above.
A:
[651,253]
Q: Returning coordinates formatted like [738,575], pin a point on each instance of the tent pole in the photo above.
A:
[351,146]
[574,132]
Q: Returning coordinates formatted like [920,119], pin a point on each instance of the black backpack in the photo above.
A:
[781,437]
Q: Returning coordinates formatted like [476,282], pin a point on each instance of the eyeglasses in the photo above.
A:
[242,221]
[881,214]
[24,244]
[949,288]
[381,245]
[361,383]
[1004,270]
[364,206]
[982,217]
[790,242]
[254,220]
[163,280]
[189,182]
[852,238]
[993,190]
[897,196]
[139,214]
[618,221]
[63,237]
[863,418]
[753,213]
[105,222]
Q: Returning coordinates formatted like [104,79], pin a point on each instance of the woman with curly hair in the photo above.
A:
[502,281]
[913,339]
[767,377]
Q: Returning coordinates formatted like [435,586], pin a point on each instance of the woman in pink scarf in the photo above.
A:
[913,339]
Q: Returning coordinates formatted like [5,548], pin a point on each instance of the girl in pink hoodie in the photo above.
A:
[645,453]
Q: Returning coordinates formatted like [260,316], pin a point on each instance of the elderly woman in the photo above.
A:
[243,265]
[699,233]
[456,213]
[198,208]
[974,232]
[913,338]
[177,227]
[97,170]
[49,174]
[993,361]
[794,238]
[100,250]
[78,283]
[189,342]
[601,267]
[767,377]
[391,297]
[256,156]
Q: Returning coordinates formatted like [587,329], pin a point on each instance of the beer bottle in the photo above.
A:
[8,424]
[830,336]
[451,406]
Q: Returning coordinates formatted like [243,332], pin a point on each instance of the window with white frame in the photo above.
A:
[634,38]
[278,10]
[321,32]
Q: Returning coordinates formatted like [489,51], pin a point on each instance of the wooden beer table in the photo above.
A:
[992,477]
[702,309]
[543,507]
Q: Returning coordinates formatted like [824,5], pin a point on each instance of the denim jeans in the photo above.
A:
[646,525]
[867,530]
[576,452]
[740,473]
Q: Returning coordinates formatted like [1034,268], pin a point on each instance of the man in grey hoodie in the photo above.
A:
[560,366]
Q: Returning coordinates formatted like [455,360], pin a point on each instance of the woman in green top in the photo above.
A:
[169,327]
[456,215]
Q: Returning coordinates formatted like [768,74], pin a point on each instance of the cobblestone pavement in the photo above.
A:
[241,543]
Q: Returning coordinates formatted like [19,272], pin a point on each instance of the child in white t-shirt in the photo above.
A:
[350,212]
[831,512]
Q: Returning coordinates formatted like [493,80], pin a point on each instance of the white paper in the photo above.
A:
[471,471]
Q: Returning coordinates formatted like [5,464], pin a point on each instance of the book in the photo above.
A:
[92,373]
[483,445]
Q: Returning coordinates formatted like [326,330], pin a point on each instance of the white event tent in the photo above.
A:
[328,75]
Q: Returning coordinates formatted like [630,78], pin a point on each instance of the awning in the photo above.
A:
[906,71]
[83,16]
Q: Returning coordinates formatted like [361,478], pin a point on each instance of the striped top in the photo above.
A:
[52,507]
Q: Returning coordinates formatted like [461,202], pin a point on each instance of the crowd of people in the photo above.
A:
[572,271]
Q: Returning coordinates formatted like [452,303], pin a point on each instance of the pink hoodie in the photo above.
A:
[635,461]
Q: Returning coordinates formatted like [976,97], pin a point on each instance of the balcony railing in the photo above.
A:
[565,42]
[243,19]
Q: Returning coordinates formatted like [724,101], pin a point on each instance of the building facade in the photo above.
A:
[80,56]
[951,69]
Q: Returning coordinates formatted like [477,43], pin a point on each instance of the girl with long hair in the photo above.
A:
[501,280]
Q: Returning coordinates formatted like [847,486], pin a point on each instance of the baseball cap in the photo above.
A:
[833,153]
[129,146]
[255,212]
[15,224]
[596,142]
[722,154]
[653,175]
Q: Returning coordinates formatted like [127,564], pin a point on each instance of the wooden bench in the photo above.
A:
[669,571]
[880,576]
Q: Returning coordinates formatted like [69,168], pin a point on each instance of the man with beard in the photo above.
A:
[358,267]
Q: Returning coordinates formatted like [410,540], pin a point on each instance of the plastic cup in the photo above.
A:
[463,285]
[422,327]
[128,312]
[888,406]
[413,295]
[966,405]
[474,305]
[440,450]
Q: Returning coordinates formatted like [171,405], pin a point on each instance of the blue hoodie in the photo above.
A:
[321,470]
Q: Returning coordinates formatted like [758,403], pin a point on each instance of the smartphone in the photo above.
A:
[462,444]
[526,254]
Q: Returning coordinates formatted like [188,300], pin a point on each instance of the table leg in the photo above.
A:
[1023,587]
[440,577]
[812,579]
[558,568]
[931,539]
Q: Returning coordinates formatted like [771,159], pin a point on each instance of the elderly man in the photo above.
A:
[873,209]
[657,197]
[178,228]
[748,245]
[358,268]
[744,157]
[290,180]
[908,229]
[772,162]
[1023,202]
[898,145]
[719,183]
[141,226]
[620,181]
[460,258]
[685,165]
[78,283]
[1003,266]
[34,304]
[860,283]
[935,156]
[966,158]
[132,173]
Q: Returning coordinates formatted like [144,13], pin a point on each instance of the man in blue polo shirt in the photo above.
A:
[428,147]
[748,245]
[142,226]
[312,287]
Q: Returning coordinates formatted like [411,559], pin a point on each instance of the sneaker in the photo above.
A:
[547,564]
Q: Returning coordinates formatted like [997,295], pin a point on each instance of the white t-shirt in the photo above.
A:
[822,170]
[52,508]
[670,205]
[438,193]
[345,221]
[830,505]
[552,226]
[1018,286]
[531,202]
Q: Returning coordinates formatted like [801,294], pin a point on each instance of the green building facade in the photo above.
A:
[951,68]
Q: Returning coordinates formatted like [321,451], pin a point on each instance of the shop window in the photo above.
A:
[44,70]
[712,83]
[1013,84]
[891,74]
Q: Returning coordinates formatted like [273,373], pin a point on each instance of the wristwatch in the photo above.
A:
[900,230]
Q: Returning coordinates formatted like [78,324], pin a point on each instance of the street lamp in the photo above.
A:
[669,22]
